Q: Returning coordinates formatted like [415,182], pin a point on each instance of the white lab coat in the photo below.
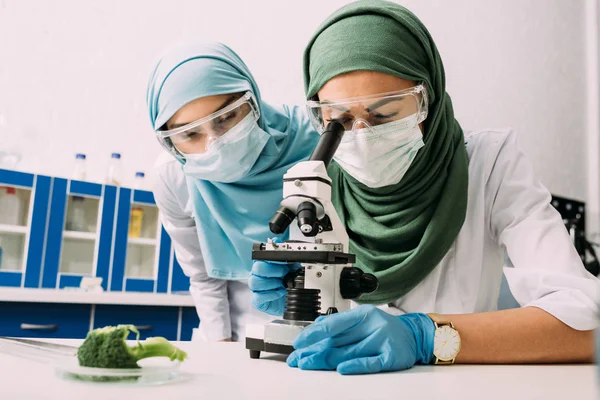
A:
[224,307]
[508,208]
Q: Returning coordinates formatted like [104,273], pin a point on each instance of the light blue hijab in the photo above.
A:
[230,217]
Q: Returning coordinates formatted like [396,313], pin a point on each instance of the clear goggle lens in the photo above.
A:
[370,111]
[198,136]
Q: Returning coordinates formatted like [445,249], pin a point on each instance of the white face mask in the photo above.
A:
[231,157]
[380,156]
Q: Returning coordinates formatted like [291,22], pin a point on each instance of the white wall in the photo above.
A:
[73,73]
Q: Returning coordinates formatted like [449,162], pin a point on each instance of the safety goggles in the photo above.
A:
[370,111]
[198,136]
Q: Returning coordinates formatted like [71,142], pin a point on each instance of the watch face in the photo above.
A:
[446,343]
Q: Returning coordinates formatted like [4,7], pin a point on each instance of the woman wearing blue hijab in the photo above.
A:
[223,182]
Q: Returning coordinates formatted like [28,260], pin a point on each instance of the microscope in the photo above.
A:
[326,281]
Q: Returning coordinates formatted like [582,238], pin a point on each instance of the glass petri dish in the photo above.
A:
[151,372]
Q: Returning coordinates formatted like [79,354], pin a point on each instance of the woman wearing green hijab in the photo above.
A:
[431,212]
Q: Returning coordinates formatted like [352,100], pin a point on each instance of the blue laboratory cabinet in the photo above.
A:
[73,321]
[67,230]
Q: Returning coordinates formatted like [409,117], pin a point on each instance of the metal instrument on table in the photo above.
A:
[36,350]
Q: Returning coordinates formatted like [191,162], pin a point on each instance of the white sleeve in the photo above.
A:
[548,272]
[210,295]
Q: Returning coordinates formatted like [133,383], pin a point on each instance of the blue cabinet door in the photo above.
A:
[120,240]
[31,247]
[150,320]
[37,232]
[164,262]
[109,199]
[57,222]
[44,320]
[189,321]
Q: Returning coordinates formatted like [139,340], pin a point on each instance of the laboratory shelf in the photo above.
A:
[13,229]
[143,241]
[80,235]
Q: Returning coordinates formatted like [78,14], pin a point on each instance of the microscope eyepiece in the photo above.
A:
[281,220]
[328,143]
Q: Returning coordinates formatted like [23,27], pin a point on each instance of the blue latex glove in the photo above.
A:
[266,284]
[364,340]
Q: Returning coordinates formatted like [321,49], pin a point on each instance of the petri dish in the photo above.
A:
[152,372]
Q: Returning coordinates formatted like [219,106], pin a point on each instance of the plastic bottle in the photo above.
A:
[136,218]
[76,218]
[113,176]
[79,172]
[135,222]
[10,206]
[139,182]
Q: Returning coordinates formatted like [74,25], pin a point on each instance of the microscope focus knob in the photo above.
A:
[354,282]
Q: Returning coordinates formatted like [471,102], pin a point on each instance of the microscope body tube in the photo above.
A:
[328,144]
[324,151]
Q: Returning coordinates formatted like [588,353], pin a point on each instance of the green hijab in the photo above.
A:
[400,232]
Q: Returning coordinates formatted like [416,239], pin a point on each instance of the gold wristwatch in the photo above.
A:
[446,343]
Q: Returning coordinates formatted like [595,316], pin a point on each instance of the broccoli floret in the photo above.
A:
[106,348]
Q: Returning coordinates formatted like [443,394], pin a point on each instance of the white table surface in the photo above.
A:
[225,371]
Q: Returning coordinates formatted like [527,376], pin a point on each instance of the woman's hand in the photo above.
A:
[266,284]
[364,340]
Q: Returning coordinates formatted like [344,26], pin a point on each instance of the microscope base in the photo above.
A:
[275,337]
[256,346]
